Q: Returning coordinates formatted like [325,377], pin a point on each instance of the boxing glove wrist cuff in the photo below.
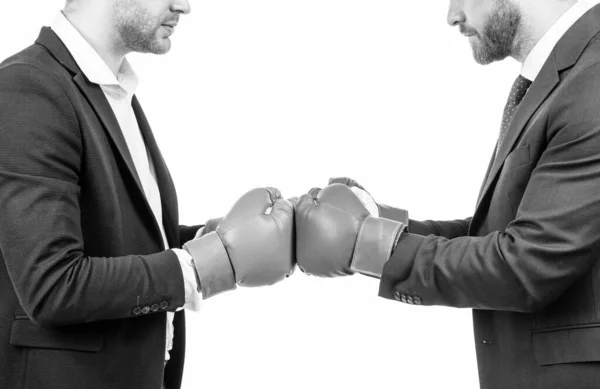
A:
[397,214]
[212,265]
[374,244]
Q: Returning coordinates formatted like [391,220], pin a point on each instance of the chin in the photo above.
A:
[480,55]
[161,46]
[163,51]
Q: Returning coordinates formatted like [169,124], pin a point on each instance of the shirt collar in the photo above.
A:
[90,62]
[541,51]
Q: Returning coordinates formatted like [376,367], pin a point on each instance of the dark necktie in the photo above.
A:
[517,93]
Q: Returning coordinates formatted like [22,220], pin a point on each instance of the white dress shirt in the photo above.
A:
[119,91]
[542,49]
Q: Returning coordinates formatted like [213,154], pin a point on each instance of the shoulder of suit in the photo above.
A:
[591,54]
[35,56]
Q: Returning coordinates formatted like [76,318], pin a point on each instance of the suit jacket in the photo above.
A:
[527,261]
[80,248]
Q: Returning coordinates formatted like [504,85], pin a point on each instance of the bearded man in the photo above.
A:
[526,262]
[94,267]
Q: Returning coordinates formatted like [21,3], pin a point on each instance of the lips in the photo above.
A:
[467,31]
[171,23]
[169,27]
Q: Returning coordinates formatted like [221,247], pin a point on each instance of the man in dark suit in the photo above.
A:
[527,260]
[93,276]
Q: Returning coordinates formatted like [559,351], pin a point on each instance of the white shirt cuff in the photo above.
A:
[193,296]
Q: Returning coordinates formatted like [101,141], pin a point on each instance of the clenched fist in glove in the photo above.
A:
[336,234]
[253,245]
[376,209]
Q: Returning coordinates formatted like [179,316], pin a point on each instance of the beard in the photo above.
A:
[138,29]
[498,39]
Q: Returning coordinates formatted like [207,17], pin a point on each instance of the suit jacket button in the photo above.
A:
[403,298]
[397,295]
[146,309]
[137,311]
[410,300]
[417,300]
[164,305]
[154,307]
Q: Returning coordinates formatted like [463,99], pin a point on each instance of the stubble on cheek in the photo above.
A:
[137,27]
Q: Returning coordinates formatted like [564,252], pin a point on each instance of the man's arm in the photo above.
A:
[448,229]
[552,242]
[40,233]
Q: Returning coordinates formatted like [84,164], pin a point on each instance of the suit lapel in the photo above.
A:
[487,174]
[163,178]
[564,55]
[545,82]
[97,100]
[103,110]
[95,97]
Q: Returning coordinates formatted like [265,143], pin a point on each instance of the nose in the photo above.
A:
[181,6]
[456,16]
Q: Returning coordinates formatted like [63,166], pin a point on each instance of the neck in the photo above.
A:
[99,34]
[536,22]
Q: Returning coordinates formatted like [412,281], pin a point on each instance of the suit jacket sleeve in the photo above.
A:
[448,229]
[40,233]
[553,240]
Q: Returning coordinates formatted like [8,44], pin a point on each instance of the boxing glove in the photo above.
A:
[381,210]
[210,226]
[336,234]
[253,245]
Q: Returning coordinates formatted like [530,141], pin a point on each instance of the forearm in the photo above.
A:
[507,271]
[72,289]
[448,229]
[56,282]
[464,272]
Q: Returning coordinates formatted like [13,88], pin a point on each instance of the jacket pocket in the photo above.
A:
[567,344]
[84,337]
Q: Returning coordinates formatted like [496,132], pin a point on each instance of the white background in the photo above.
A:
[288,93]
